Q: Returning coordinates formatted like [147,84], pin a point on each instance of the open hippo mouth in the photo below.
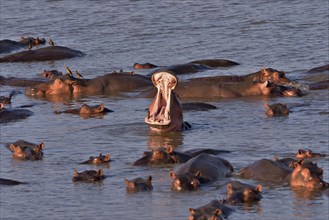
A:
[159,110]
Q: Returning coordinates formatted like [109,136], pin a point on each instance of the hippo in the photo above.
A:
[213,210]
[88,176]
[144,66]
[139,185]
[13,114]
[165,113]
[20,82]
[44,89]
[87,110]
[42,54]
[320,85]
[167,155]
[25,150]
[7,100]
[238,192]
[98,160]
[277,109]
[204,168]
[287,161]
[7,45]
[301,154]
[319,69]
[9,182]
[277,173]
[51,74]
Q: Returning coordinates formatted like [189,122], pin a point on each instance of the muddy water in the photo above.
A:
[284,35]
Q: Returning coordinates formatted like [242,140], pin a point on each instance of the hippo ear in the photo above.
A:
[100,172]
[101,108]
[169,149]
[266,105]
[149,179]
[218,212]
[198,174]
[259,188]
[192,211]
[264,73]
[309,153]
[229,188]
[12,147]
[107,157]
[41,146]
[296,165]
[75,173]
[172,174]
[300,151]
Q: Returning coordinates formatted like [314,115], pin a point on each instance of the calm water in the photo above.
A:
[286,35]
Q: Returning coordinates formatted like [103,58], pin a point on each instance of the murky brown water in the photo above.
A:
[284,35]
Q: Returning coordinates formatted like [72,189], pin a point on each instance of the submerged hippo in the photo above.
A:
[213,210]
[277,109]
[42,54]
[88,176]
[301,154]
[9,182]
[167,155]
[319,69]
[98,159]
[87,110]
[139,184]
[275,172]
[10,45]
[203,168]
[165,113]
[26,150]
[55,87]
[13,114]
[238,192]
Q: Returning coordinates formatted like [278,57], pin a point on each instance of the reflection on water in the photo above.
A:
[156,140]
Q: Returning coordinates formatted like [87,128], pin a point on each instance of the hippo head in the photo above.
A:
[88,175]
[305,176]
[246,194]
[185,182]
[197,215]
[303,154]
[276,109]
[144,65]
[56,87]
[139,184]
[162,155]
[273,76]
[165,112]
[20,152]
[51,74]
[86,109]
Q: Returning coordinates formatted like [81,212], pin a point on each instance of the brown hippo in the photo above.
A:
[26,150]
[88,176]
[287,161]
[277,109]
[301,154]
[42,54]
[167,155]
[13,114]
[139,184]
[144,66]
[275,172]
[213,210]
[9,182]
[55,87]
[238,192]
[98,160]
[10,45]
[165,113]
[203,168]
[87,110]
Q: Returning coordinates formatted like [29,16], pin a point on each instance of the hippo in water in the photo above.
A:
[7,100]
[204,168]
[302,154]
[167,155]
[319,69]
[213,210]
[277,109]
[277,173]
[13,114]
[9,182]
[44,89]
[10,45]
[26,150]
[87,110]
[88,176]
[139,184]
[98,160]
[42,54]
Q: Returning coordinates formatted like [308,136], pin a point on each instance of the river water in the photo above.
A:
[285,35]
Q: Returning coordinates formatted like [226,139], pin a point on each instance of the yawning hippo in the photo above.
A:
[203,168]
[42,54]
[139,184]
[26,150]
[165,112]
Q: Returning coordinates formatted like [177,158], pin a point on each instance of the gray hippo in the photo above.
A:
[319,69]
[214,210]
[13,114]
[42,54]
[88,176]
[7,45]
[278,173]
[25,150]
[98,159]
[167,155]
[9,182]
[139,184]
[204,168]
